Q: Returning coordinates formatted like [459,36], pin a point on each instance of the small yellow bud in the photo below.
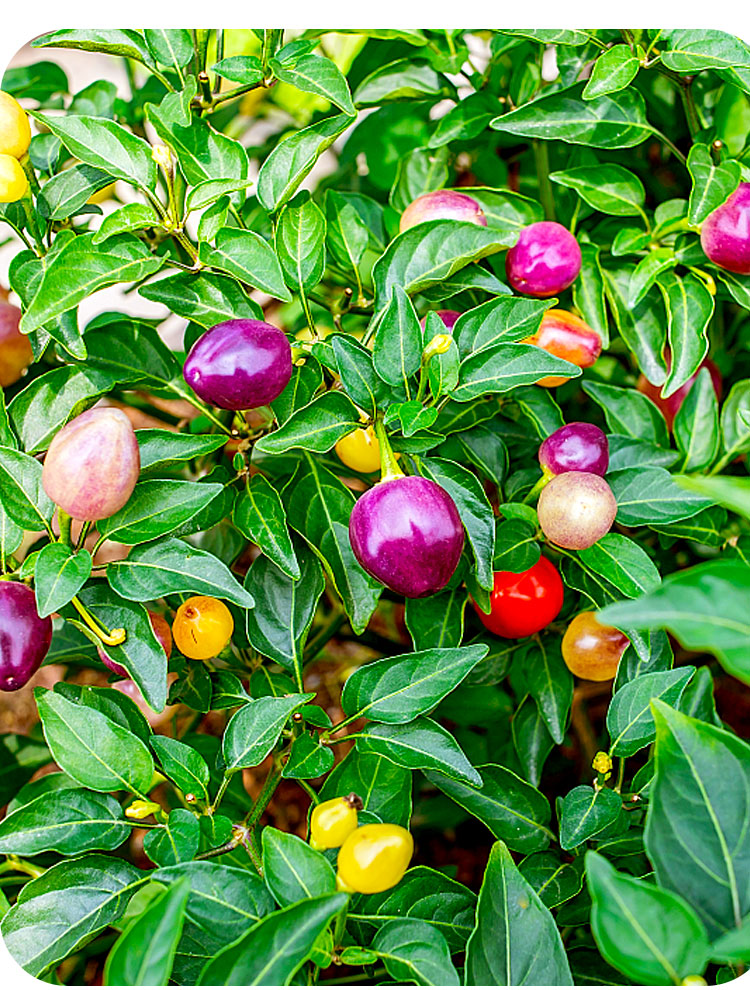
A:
[602,763]
[693,981]
[440,344]
[141,809]
[162,155]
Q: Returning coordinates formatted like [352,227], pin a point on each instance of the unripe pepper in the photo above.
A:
[332,822]
[24,636]
[15,130]
[13,181]
[360,450]
[374,858]
[202,627]
[92,464]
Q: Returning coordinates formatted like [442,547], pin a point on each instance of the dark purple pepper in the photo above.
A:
[575,447]
[407,533]
[24,636]
[725,234]
[240,364]
[545,260]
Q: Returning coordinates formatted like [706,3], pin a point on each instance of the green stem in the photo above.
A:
[388,463]
[620,775]
[220,793]
[114,638]
[234,93]
[670,144]
[219,54]
[309,791]
[264,798]
[546,196]
[64,522]
[308,313]
[320,639]
[536,489]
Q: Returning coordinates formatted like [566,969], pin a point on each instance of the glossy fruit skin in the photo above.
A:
[442,204]
[92,464]
[566,336]
[374,858]
[523,604]
[576,509]
[15,350]
[360,450]
[202,627]
[163,633]
[407,533]
[24,636]
[332,822]
[545,260]
[13,181]
[725,233]
[15,130]
[671,406]
[239,364]
[575,447]
[591,650]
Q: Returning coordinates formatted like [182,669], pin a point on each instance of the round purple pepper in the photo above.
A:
[24,636]
[575,447]
[442,204]
[545,260]
[239,364]
[406,532]
[92,464]
[725,234]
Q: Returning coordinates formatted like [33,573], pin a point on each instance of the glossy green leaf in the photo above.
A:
[628,412]
[696,425]
[177,841]
[650,495]
[587,811]
[59,574]
[550,683]
[253,731]
[630,721]
[624,563]
[614,70]
[318,426]
[413,951]
[68,821]
[245,255]
[259,515]
[157,507]
[502,367]
[437,621]
[293,870]
[183,765]
[504,320]
[610,189]
[316,74]
[406,78]
[421,744]
[384,787]
[397,351]
[24,498]
[206,297]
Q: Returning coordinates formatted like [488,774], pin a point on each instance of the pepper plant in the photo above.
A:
[390,640]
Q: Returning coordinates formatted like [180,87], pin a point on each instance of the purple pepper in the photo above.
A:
[239,364]
[725,234]
[545,260]
[442,204]
[575,447]
[24,636]
[406,532]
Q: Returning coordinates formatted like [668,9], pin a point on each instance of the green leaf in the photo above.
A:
[318,506]
[172,47]
[397,351]
[624,563]
[531,740]
[128,44]
[732,492]
[420,172]
[24,498]
[504,320]
[610,189]
[105,145]
[510,808]
[702,606]
[516,941]
[732,947]
[319,75]
[65,193]
[614,70]
[384,787]
[628,412]
[205,297]
[630,722]
[170,567]
[166,449]
[414,951]
[279,630]
[131,217]
[397,689]
[357,373]
[502,367]
[421,744]
[293,870]
[712,184]
[429,253]
[696,425]
[550,683]
[466,120]
[253,731]
[59,574]
[64,908]
[244,69]
[648,933]
[142,655]
[317,426]
[300,243]
[554,881]
[80,269]
[293,158]
[157,507]
[305,381]
[474,508]
[144,953]
[176,842]
[436,621]
[693,51]
[637,311]
[698,817]
[649,495]
[404,79]
[690,307]
[274,949]
[347,235]
[68,821]
[91,748]
[308,758]
[259,516]
[617,121]
[735,419]
[245,255]
[183,765]
[586,812]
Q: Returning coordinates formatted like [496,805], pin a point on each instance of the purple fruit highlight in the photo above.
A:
[545,260]
[24,636]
